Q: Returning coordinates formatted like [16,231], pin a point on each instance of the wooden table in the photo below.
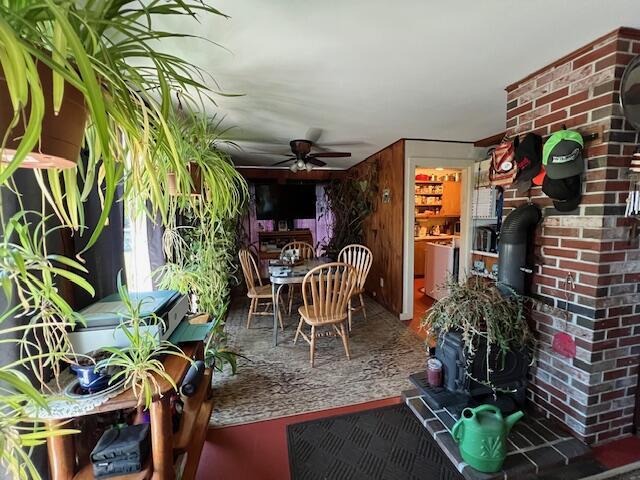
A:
[164,444]
[294,276]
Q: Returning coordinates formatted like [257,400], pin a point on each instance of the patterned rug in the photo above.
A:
[278,381]
[385,442]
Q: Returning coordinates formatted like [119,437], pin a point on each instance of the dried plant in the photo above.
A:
[483,315]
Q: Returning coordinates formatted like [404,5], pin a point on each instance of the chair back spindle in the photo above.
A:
[326,290]
[307,252]
[249,269]
[360,258]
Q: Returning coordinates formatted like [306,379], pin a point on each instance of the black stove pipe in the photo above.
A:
[514,237]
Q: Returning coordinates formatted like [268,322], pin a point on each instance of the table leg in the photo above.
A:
[162,439]
[274,298]
[61,455]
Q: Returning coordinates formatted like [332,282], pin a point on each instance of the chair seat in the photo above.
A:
[260,291]
[309,317]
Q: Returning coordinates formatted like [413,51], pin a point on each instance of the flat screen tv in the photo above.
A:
[285,202]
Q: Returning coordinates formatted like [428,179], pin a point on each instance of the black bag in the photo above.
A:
[129,443]
[110,468]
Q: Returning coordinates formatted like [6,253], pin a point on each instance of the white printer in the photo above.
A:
[103,317]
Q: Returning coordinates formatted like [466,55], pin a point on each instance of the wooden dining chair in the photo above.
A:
[256,291]
[326,290]
[360,258]
[307,252]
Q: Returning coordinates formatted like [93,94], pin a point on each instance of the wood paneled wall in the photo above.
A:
[385,226]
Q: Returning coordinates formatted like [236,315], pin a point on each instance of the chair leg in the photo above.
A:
[350,313]
[280,318]
[298,330]
[251,310]
[364,310]
[290,298]
[312,349]
[345,340]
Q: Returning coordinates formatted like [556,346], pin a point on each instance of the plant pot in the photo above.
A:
[62,135]
[88,377]
[196,180]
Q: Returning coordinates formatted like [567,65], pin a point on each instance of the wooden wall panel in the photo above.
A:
[385,226]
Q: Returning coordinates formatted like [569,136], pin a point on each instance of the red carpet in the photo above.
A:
[619,452]
[258,451]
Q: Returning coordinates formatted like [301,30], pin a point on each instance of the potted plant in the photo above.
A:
[486,318]
[61,57]
[139,364]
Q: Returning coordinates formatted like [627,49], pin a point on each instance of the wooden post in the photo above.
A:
[61,455]
[162,439]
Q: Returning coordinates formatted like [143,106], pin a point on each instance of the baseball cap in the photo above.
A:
[538,179]
[528,157]
[562,154]
[566,193]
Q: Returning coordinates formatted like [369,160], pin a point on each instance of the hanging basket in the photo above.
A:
[61,135]
[196,180]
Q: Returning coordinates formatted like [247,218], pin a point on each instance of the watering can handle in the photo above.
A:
[454,432]
[488,408]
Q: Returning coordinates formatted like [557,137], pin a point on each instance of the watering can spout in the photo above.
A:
[512,419]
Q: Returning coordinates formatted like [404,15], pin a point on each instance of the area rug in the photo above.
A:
[278,381]
[385,442]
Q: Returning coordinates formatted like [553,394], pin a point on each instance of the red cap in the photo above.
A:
[538,179]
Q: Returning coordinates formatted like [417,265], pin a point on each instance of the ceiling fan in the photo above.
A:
[304,159]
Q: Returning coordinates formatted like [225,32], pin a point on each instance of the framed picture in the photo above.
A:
[282,226]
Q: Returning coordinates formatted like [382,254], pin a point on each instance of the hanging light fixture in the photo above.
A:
[294,167]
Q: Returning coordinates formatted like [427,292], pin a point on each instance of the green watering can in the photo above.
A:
[482,434]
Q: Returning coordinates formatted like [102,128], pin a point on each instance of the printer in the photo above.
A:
[103,317]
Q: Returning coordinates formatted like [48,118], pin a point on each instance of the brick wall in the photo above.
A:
[594,393]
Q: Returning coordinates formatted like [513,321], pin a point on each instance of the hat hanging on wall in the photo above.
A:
[539,179]
[562,155]
[566,193]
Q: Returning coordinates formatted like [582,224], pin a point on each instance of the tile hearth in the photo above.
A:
[535,446]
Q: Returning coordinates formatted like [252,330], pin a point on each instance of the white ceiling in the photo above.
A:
[371,71]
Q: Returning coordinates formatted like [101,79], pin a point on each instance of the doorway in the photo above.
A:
[436,236]
[458,160]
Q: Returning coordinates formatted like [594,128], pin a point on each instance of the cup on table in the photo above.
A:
[434,372]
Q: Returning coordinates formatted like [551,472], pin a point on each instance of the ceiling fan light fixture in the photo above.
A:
[301,164]
[309,167]
[294,168]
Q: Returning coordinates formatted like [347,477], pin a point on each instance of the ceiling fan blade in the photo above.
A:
[332,154]
[315,161]
[283,161]
[313,134]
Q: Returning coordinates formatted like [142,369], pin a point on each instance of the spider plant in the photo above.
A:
[108,51]
[33,274]
[139,363]
[217,354]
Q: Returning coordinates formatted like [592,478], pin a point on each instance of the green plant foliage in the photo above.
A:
[483,316]
[139,363]
[350,201]
[108,50]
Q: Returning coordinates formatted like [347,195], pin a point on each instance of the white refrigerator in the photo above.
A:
[440,263]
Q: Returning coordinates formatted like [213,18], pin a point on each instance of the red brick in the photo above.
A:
[562,232]
[570,100]
[583,267]
[625,342]
[595,54]
[551,118]
[619,332]
[560,252]
[581,244]
[550,97]
[518,110]
[613,374]
[591,104]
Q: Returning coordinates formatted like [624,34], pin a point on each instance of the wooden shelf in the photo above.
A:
[197,439]
[432,205]
[483,275]
[429,194]
[436,216]
[485,254]
[145,474]
[192,405]
[427,182]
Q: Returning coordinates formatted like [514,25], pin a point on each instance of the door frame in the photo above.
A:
[465,156]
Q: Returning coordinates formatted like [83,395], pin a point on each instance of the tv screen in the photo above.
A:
[285,202]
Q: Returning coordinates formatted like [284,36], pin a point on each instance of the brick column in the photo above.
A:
[594,393]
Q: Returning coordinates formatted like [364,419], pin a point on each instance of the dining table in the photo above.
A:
[281,275]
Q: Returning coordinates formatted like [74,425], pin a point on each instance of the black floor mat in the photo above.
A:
[384,443]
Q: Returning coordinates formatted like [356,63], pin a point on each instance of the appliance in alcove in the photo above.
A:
[441,261]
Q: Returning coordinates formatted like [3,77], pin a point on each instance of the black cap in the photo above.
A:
[566,193]
[528,157]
